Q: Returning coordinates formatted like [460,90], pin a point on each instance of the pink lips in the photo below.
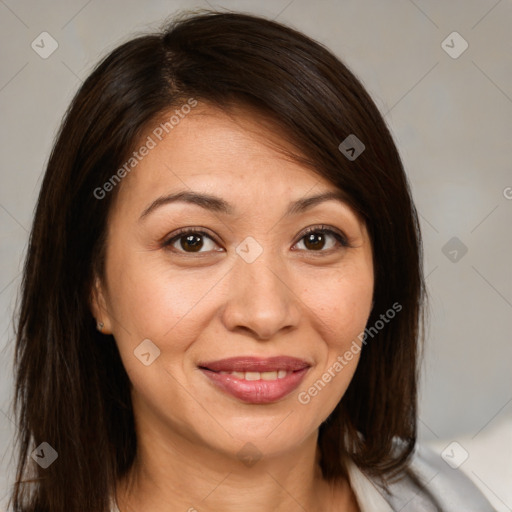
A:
[258,391]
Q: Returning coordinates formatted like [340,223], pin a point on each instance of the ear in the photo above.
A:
[99,306]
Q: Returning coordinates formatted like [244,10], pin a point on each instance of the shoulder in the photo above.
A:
[430,484]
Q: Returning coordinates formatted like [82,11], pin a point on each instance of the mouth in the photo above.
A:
[255,380]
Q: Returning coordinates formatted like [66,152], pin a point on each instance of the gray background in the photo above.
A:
[452,121]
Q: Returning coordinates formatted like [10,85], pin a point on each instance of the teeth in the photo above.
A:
[281,374]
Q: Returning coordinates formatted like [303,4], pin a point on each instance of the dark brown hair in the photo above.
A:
[71,388]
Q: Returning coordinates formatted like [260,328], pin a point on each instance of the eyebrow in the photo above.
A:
[219,205]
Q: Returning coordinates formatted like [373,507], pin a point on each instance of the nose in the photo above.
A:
[262,298]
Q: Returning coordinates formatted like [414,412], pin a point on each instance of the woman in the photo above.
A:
[222,300]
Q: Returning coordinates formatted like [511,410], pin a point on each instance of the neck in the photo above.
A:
[180,474]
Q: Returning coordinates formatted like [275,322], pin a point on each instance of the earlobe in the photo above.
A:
[99,307]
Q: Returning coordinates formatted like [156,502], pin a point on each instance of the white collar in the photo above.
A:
[367,495]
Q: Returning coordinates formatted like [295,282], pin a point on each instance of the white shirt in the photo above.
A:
[368,497]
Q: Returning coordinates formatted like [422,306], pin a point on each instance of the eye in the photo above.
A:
[317,237]
[194,240]
[189,240]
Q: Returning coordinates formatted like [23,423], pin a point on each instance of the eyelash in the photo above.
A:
[181,233]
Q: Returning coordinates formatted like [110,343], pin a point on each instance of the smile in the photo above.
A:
[254,380]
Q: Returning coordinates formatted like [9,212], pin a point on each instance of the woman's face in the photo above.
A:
[234,334]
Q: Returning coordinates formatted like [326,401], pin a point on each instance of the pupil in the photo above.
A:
[310,239]
[189,240]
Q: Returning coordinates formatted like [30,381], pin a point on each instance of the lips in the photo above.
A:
[256,380]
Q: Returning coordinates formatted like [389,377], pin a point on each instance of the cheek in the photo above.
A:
[151,299]
[340,306]
[341,303]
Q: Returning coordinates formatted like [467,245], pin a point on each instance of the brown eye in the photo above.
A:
[194,242]
[189,241]
[316,239]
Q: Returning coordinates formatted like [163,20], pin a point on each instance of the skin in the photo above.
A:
[306,301]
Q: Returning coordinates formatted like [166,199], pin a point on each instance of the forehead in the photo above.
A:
[240,149]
